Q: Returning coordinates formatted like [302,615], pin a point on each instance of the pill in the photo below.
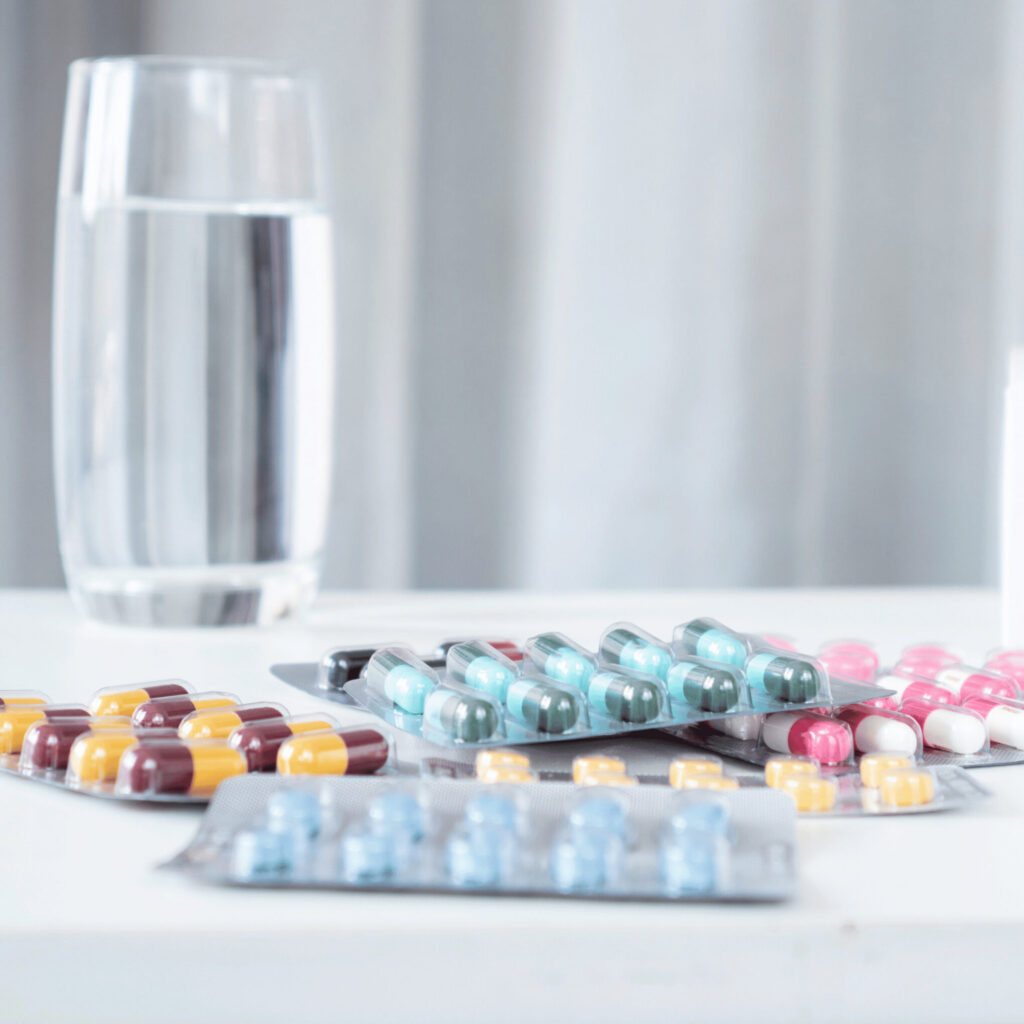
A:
[586,861]
[491,811]
[634,699]
[777,768]
[396,676]
[261,741]
[542,706]
[810,792]
[21,697]
[709,815]
[1005,722]
[397,812]
[500,758]
[117,700]
[95,756]
[506,773]
[689,864]
[947,728]
[710,639]
[509,648]
[850,658]
[704,687]
[588,763]
[976,682]
[778,641]
[1008,663]
[633,648]
[713,783]
[343,664]
[295,811]
[170,712]
[479,857]
[885,703]
[368,856]
[874,766]
[927,653]
[481,667]
[875,731]
[906,787]
[467,717]
[352,751]
[260,853]
[219,724]
[608,779]
[908,686]
[555,655]
[47,744]
[800,732]
[740,727]
[153,767]
[17,719]
[683,766]
[601,813]
[784,677]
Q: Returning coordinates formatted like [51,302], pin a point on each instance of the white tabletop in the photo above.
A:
[900,919]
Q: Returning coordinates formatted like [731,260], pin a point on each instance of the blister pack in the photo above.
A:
[554,839]
[491,693]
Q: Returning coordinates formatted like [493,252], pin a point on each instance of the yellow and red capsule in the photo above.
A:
[169,712]
[120,700]
[157,767]
[261,741]
[357,750]
[220,722]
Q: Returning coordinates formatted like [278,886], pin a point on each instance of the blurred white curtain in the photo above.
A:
[631,293]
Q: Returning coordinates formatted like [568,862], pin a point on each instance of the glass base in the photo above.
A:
[213,595]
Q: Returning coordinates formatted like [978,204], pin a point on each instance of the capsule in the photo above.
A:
[976,682]
[487,759]
[633,648]
[16,720]
[739,727]
[18,698]
[879,731]
[369,855]
[906,787]
[810,793]
[116,700]
[481,667]
[783,677]
[947,728]
[801,732]
[558,657]
[710,639]
[586,764]
[170,712]
[295,812]
[352,751]
[257,854]
[908,686]
[47,744]
[543,707]
[509,648]
[462,715]
[158,767]
[96,756]
[599,813]
[343,664]
[479,858]
[709,815]
[850,658]
[874,766]
[681,767]
[626,698]
[399,678]
[1005,722]
[505,773]
[260,741]
[715,783]
[777,768]
[489,810]
[219,724]
[703,686]
[690,863]
[397,812]
[586,860]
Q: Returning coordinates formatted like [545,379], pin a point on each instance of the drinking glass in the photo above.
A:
[193,341]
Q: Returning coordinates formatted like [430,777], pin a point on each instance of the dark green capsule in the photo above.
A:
[542,706]
[625,698]
[710,689]
[788,679]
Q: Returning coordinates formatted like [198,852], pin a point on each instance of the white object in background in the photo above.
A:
[1012,547]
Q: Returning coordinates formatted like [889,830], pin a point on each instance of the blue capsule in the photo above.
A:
[702,816]
[368,855]
[557,657]
[295,811]
[632,648]
[397,812]
[711,640]
[586,860]
[401,679]
[480,666]
[492,811]
[260,854]
[689,864]
[599,814]
[479,858]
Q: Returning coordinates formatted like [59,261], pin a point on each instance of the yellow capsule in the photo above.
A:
[218,721]
[779,768]
[355,750]
[810,792]
[705,781]
[22,697]
[96,755]
[582,766]
[682,767]
[906,787]
[506,773]
[608,779]
[117,701]
[497,758]
[874,766]
[16,721]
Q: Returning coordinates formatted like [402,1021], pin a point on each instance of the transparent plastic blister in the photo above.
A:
[555,839]
[554,688]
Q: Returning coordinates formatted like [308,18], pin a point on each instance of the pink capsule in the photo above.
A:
[946,728]
[850,658]
[926,659]
[1008,663]
[799,732]
[976,682]
[909,687]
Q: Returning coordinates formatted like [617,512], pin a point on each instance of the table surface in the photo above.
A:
[897,919]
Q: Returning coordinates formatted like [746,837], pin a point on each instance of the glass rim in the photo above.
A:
[254,67]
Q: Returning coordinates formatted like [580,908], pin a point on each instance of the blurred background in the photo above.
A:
[630,293]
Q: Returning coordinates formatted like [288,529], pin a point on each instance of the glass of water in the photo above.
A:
[193,341]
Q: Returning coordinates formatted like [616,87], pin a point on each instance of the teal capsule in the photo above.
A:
[542,706]
[710,689]
[481,667]
[559,658]
[461,716]
[632,699]
[784,678]
[709,639]
[636,650]
[400,677]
